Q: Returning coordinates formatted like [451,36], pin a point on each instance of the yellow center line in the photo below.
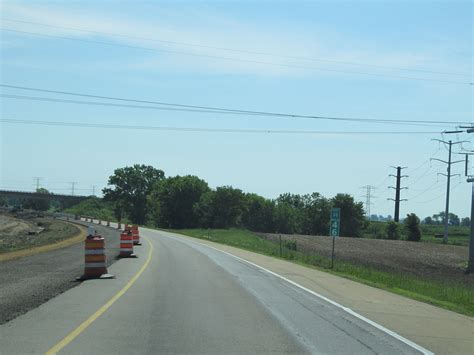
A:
[76,332]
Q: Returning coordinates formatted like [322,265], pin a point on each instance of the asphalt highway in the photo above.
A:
[180,296]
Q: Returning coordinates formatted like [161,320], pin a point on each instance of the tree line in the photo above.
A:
[453,220]
[145,196]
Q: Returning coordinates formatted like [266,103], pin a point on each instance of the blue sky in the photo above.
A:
[378,36]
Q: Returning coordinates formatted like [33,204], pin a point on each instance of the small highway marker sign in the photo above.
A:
[334,227]
[335,222]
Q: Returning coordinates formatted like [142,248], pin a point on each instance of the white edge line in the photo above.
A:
[346,309]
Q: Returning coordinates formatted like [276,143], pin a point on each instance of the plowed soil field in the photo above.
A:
[431,261]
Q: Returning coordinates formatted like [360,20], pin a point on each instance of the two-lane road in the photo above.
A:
[181,296]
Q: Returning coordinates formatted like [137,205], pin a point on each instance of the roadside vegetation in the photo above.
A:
[94,207]
[143,195]
[454,295]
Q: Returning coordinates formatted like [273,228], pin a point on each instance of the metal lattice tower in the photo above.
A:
[368,197]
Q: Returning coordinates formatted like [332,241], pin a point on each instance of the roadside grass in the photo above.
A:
[452,295]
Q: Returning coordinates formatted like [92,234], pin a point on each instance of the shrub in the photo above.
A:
[290,244]
[412,226]
[392,231]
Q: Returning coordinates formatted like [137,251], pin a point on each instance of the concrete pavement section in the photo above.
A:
[27,282]
[186,297]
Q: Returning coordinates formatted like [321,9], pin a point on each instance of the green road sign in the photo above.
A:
[334,224]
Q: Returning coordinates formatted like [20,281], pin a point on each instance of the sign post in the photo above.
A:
[334,227]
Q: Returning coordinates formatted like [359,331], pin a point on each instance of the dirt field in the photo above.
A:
[21,233]
[433,261]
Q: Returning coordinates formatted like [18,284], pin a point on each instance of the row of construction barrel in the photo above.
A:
[95,266]
[128,238]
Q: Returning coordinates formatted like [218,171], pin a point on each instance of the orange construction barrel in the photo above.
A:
[95,266]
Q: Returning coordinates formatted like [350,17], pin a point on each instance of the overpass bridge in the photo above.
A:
[18,197]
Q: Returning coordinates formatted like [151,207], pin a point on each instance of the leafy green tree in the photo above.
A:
[118,210]
[466,222]
[438,218]
[315,214]
[258,213]
[204,209]
[310,212]
[172,201]
[131,186]
[222,208]
[285,218]
[428,220]
[392,231]
[229,207]
[292,200]
[352,215]
[412,227]
[453,219]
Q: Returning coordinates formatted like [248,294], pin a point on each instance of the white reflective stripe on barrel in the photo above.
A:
[128,249]
[95,265]
[94,251]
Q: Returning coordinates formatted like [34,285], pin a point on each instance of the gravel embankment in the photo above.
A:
[28,282]
[19,233]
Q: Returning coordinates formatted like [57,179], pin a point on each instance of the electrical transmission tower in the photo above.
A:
[397,189]
[73,185]
[37,179]
[448,184]
[368,196]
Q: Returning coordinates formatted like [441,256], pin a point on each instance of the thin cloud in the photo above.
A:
[214,30]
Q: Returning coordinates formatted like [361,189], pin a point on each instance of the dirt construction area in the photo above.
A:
[426,260]
[31,231]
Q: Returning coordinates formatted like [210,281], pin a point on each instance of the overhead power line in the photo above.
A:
[211,109]
[439,196]
[237,50]
[236,59]
[211,130]
[430,188]
[95,103]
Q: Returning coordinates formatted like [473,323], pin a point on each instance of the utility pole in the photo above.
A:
[73,184]
[470,263]
[470,178]
[368,197]
[37,179]
[93,190]
[448,183]
[397,189]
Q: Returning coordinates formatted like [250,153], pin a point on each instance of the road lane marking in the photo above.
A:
[340,306]
[84,325]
